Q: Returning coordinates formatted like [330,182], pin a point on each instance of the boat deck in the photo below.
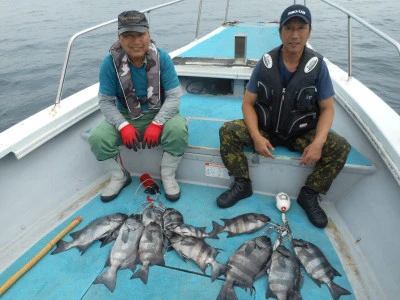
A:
[69,275]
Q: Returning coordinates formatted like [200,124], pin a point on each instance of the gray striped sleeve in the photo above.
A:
[170,106]
[110,110]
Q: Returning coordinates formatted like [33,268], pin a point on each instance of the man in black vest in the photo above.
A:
[288,101]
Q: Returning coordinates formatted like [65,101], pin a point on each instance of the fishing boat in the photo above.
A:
[49,178]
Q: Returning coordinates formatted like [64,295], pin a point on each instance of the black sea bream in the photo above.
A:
[189,230]
[152,214]
[97,229]
[318,267]
[124,252]
[245,223]
[171,217]
[151,250]
[284,276]
[246,265]
[198,251]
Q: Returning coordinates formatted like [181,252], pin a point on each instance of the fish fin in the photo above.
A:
[335,272]
[218,270]
[83,248]
[149,236]
[202,229]
[159,261]
[142,273]
[190,243]
[227,292]
[216,229]
[76,234]
[108,262]
[281,262]
[231,234]
[269,294]
[181,255]
[125,236]
[61,247]
[250,247]
[336,290]
[294,295]
[107,240]
[109,279]
[317,282]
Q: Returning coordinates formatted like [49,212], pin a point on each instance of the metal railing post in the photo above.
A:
[198,19]
[349,49]
[226,11]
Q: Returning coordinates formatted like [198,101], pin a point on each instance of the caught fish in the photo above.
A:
[189,230]
[152,214]
[111,236]
[171,217]
[200,252]
[284,279]
[151,250]
[124,252]
[246,265]
[98,229]
[318,267]
[246,223]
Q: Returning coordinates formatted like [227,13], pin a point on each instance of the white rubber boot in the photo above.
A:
[120,178]
[169,165]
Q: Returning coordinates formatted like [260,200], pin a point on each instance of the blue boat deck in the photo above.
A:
[69,275]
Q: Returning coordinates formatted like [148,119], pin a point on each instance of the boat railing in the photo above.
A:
[80,33]
[350,16]
[370,27]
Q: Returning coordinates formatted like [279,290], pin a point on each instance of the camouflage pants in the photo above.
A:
[234,136]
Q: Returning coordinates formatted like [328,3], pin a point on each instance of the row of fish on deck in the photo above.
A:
[142,239]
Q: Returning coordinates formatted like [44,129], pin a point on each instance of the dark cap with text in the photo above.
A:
[132,20]
[296,10]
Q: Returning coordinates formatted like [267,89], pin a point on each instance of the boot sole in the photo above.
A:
[173,198]
[112,197]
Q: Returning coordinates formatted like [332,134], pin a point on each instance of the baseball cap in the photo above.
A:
[296,10]
[132,20]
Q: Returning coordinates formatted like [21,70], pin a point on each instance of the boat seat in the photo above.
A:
[205,120]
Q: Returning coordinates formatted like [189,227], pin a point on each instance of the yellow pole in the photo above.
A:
[38,256]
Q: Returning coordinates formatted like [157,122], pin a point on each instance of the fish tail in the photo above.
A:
[216,229]
[142,273]
[227,292]
[109,279]
[213,233]
[218,270]
[61,247]
[337,291]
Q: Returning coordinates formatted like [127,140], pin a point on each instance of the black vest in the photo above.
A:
[291,109]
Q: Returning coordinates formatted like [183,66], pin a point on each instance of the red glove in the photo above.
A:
[130,137]
[152,135]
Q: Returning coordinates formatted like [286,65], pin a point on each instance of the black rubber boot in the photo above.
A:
[308,200]
[239,189]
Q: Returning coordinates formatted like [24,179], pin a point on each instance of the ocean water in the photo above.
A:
[34,36]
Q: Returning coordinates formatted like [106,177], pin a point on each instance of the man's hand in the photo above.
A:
[130,137]
[311,154]
[152,135]
[263,146]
